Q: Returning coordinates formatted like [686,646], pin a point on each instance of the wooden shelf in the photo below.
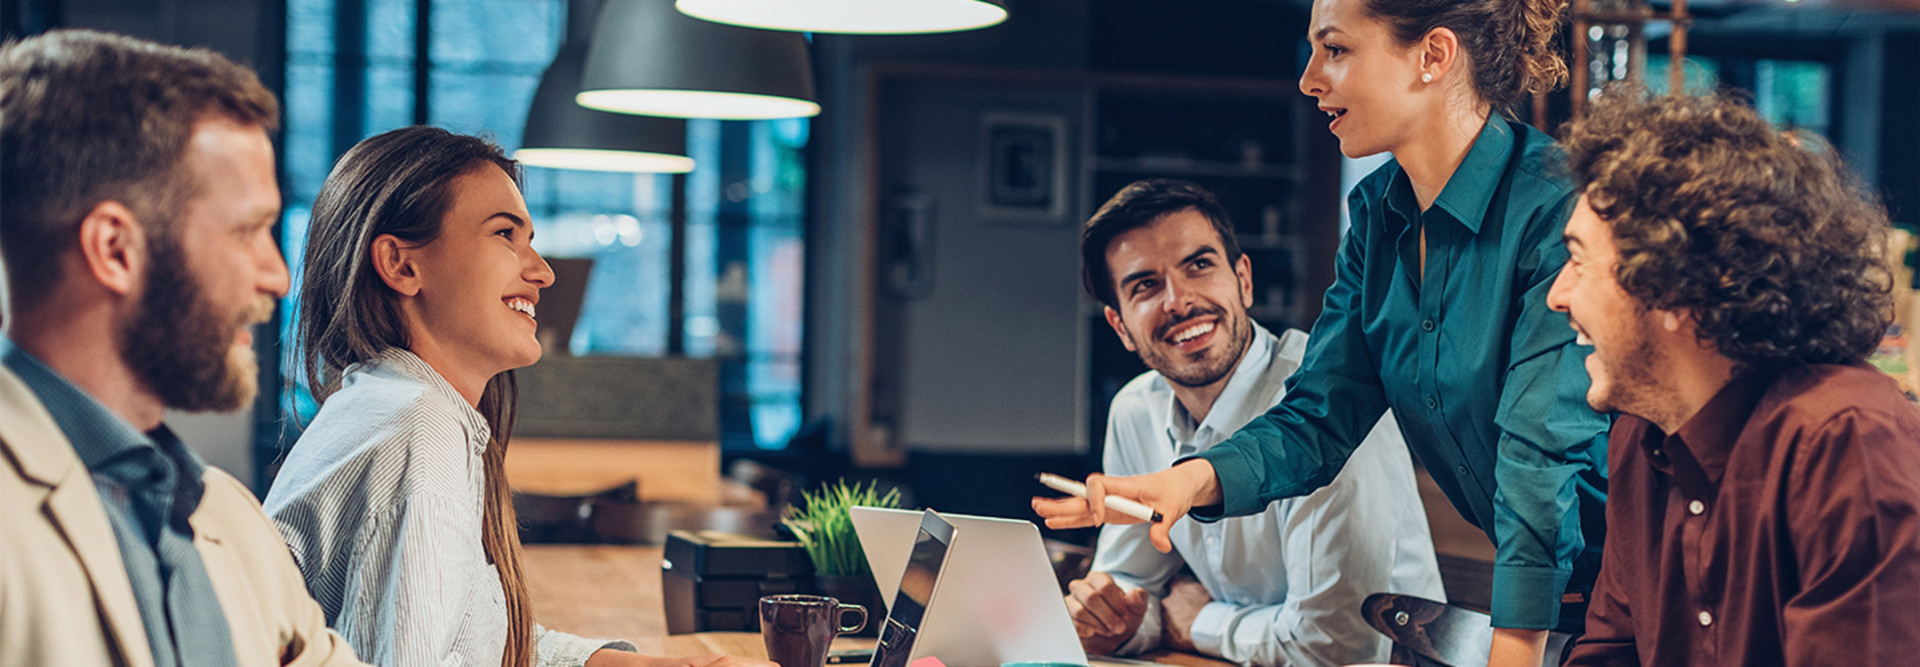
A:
[668,470]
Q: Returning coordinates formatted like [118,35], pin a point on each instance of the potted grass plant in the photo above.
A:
[825,528]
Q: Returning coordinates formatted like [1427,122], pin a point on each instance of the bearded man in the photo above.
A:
[1765,502]
[136,232]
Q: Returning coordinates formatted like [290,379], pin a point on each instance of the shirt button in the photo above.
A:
[1432,403]
[1426,325]
[1460,469]
[1695,508]
[1657,452]
[1706,619]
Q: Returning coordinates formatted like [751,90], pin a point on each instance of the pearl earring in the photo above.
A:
[1426,77]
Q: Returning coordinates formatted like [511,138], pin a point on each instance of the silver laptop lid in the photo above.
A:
[998,601]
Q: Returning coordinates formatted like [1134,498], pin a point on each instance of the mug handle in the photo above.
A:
[844,608]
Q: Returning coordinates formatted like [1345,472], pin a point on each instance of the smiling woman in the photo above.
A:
[468,294]
[418,302]
[397,257]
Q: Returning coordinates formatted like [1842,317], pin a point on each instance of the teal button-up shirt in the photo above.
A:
[1486,381]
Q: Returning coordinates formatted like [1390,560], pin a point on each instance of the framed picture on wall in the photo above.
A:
[1023,172]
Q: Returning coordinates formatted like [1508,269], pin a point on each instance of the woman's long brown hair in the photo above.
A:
[399,183]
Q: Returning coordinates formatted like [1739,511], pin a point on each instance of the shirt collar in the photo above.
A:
[1706,441]
[96,433]
[1225,416]
[405,363]
[1469,192]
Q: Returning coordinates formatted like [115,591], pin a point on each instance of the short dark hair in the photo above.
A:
[89,117]
[1136,206]
[1767,238]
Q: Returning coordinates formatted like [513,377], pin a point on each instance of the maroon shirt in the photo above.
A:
[1780,526]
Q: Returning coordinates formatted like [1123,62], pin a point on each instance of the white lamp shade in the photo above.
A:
[860,17]
[595,159]
[697,104]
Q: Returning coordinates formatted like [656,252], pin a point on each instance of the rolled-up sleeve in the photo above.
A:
[1548,437]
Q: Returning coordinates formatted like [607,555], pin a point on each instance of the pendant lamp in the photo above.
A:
[860,17]
[648,58]
[561,134]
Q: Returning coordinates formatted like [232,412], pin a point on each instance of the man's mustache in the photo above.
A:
[1164,330]
[260,312]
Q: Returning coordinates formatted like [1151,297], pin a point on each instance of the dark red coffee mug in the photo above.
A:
[799,629]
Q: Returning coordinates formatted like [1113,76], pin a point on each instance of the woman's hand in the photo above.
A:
[1170,492]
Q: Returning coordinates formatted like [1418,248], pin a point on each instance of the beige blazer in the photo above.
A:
[64,594]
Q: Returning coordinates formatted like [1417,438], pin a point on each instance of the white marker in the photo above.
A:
[1129,507]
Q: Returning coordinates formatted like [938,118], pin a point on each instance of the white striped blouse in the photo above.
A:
[381,503]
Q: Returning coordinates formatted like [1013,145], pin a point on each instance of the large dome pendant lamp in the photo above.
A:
[860,17]
[648,58]
[561,134]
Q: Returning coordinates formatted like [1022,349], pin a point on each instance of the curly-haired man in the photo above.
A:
[1765,500]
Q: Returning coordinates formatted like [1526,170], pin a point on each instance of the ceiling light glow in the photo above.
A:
[860,17]
[589,159]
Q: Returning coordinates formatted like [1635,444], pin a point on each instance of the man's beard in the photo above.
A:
[1632,383]
[1207,371]
[181,346]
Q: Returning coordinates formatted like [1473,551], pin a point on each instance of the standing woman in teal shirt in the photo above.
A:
[1438,309]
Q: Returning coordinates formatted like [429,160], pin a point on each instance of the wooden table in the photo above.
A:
[613,592]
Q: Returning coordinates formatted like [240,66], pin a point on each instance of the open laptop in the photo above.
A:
[994,599]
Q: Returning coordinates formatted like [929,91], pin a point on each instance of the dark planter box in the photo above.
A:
[713,582]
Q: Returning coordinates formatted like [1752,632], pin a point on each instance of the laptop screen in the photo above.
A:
[917,581]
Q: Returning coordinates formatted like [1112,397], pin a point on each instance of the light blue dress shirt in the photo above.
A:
[1287,582]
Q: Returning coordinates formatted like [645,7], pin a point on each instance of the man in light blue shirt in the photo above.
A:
[1281,587]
